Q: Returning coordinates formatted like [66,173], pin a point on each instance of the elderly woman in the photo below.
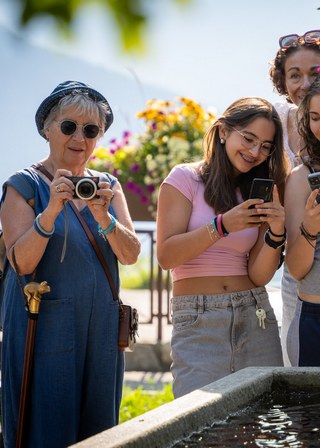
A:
[78,370]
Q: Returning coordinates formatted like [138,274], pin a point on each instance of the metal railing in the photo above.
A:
[159,282]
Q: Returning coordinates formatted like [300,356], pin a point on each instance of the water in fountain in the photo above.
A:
[277,420]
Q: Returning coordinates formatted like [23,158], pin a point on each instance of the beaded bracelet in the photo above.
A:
[40,230]
[109,229]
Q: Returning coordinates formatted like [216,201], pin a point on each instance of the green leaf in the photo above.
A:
[130,16]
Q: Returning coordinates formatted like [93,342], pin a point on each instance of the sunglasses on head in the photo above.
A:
[69,127]
[293,40]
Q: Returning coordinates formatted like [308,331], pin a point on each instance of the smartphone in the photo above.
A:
[261,189]
[314,182]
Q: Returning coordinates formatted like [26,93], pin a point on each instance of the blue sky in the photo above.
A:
[213,51]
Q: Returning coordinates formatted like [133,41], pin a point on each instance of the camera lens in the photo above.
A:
[86,189]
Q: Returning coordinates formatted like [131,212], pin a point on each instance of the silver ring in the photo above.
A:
[58,188]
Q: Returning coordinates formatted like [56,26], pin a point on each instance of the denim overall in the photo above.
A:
[77,371]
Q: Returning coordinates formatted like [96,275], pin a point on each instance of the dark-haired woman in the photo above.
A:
[292,71]
[303,249]
[220,252]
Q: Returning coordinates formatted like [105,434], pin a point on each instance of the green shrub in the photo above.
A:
[136,276]
[136,402]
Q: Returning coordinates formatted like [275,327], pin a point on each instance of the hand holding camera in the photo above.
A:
[92,189]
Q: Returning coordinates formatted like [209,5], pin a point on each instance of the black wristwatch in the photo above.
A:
[272,243]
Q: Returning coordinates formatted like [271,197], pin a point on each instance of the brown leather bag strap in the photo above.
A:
[89,234]
[96,249]
[43,169]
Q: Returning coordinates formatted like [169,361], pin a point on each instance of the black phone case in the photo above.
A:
[261,189]
[314,182]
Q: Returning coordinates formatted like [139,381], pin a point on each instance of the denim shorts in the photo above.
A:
[215,335]
[304,335]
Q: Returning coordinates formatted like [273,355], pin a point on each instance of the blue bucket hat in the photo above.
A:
[67,88]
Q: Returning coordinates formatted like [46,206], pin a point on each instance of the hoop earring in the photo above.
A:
[222,141]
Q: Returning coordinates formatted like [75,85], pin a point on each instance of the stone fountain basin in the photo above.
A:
[174,421]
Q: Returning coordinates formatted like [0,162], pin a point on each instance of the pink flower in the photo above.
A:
[137,189]
[144,200]
[135,168]
[130,185]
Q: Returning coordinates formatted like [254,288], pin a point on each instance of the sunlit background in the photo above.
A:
[208,50]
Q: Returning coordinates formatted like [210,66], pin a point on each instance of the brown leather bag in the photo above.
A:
[128,327]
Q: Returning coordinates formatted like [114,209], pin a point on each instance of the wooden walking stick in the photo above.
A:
[33,292]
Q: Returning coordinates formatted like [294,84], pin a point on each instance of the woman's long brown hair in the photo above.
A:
[311,145]
[217,172]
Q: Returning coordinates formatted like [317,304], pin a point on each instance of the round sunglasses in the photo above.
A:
[292,40]
[69,127]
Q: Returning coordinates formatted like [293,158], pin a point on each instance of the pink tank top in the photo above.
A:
[229,255]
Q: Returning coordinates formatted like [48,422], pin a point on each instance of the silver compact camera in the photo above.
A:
[85,187]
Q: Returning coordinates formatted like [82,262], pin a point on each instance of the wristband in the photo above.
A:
[214,224]
[283,235]
[271,243]
[109,229]
[219,226]
[306,234]
[40,230]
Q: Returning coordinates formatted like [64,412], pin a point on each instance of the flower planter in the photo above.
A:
[138,211]
[173,134]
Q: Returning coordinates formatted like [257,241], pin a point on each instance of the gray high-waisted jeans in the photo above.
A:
[215,335]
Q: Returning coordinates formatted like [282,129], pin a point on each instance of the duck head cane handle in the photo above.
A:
[33,292]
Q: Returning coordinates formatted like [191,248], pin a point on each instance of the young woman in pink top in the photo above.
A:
[220,252]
